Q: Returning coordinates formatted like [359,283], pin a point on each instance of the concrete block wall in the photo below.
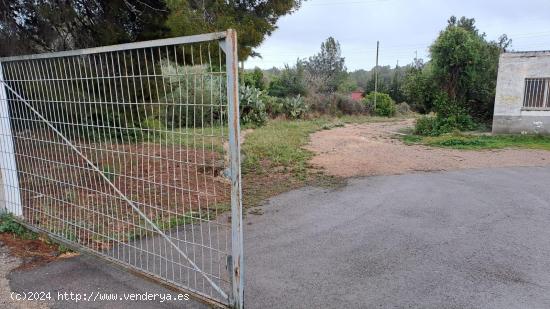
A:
[509,116]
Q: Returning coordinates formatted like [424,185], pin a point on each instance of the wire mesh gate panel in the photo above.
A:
[131,152]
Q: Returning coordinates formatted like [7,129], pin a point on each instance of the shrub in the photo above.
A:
[289,83]
[252,107]
[348,106]
[434,126]
[254,79]
[198,104]
[274,106]
[152,124]
[426,126]
[403,109]
[335,104]
[9,225]
[322,103]
[385,106]
[295,108]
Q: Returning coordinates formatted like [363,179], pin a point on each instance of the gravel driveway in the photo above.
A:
[371,149]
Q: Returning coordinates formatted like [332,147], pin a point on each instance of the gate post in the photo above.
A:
[9,192]
[237,261]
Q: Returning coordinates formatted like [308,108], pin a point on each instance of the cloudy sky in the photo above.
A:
[402,26]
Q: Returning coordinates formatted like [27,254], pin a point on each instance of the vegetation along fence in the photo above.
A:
[131,152]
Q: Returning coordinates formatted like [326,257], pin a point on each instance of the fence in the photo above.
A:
[131,152]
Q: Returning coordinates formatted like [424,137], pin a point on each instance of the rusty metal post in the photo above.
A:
[237,265]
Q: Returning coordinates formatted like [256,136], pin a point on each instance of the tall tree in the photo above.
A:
[254,20]
[395,91]
[464,66]
[326,69]
[50,25]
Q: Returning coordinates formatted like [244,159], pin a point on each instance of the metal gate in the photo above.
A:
[131,152]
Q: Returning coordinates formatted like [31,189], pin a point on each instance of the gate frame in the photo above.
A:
[237,259]
[8,167]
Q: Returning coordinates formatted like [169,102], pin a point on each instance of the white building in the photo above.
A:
[522,102]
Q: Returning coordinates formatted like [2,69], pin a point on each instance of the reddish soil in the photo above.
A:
[372,149]
[33,252]
[62,194]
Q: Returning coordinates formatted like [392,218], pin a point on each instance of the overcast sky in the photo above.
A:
[402,26]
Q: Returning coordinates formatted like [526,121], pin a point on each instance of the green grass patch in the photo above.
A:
[275,160]
[8,224]
[281,141]
[478,142]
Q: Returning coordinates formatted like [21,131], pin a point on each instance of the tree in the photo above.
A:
[464,66]
[289,83]
[347,84]
[253,19]
[418,87]
[30,26]
[395,89]
[325,71]
[389,80]
[255,79]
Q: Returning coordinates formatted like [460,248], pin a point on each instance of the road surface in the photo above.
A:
[462,239]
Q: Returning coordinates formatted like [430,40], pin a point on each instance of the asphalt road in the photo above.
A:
[464,239]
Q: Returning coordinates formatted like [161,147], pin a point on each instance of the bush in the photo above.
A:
[252,107]
[434,126]
[426,125]
[348,106]
[274,106]
[9,225]
[321,103]
[385,106]
[197,102]
[335,104]
[403,109]
[418,87]
[295,108]
[254,79]
[289,83]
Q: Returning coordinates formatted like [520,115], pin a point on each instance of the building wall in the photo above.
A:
[509,116]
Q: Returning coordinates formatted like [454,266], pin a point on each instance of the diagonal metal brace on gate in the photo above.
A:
[112,185]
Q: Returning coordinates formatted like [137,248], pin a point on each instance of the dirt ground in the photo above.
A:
[372,149]
[63,194]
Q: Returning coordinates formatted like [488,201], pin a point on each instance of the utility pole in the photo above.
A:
[242,72]
[376,74]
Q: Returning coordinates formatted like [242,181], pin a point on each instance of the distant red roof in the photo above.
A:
[357,95]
